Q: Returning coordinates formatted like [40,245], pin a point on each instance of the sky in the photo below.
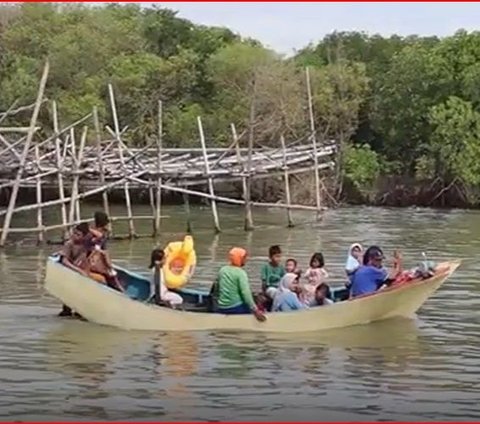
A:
[289,26]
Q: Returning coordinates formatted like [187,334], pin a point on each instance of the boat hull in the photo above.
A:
[102,305]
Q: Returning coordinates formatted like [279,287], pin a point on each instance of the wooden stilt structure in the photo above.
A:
[80,169]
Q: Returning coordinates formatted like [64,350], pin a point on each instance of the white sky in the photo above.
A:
[288,26]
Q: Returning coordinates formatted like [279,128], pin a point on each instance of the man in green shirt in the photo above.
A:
[272,272]
[234,295]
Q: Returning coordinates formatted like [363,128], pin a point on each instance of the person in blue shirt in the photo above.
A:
[371,276]
[285,298]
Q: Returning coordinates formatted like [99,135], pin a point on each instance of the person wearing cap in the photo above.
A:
[233,292]
[371,276]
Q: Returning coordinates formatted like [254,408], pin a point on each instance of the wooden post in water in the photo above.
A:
[287,183]
[41,233]
[239,159]
[101,169]
[186,205]
[248,192]
[59,163]
[158,197]
[23,158]
[213,203]
[74,215]
[314,142]
[131,226]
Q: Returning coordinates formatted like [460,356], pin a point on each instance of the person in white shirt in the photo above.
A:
[156,262]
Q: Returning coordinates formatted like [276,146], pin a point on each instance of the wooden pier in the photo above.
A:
[86,159]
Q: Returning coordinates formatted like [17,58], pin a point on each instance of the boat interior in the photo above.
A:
[138,288]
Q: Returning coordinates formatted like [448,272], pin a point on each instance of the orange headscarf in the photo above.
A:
[237,256]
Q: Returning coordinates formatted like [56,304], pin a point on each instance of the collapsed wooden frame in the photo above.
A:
[62,162]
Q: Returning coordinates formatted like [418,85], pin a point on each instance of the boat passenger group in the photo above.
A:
[284,286]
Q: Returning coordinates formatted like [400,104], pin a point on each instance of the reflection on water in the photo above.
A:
[419,369]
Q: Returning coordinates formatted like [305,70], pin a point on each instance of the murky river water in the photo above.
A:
[422,369]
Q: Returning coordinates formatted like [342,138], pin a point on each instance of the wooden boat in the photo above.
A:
[103,305]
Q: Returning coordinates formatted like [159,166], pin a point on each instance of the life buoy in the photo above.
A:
[179,263]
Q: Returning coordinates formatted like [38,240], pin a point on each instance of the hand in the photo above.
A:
[259,315]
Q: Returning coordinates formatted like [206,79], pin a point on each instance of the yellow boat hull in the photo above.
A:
[102,305]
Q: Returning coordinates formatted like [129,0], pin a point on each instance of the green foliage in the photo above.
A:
[361,167]
[414,101]
[455,140]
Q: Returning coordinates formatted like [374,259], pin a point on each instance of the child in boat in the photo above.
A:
[157,260]
[315,276]
[272,272]
[322,296]
[354,260]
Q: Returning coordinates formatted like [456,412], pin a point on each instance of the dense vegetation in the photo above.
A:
[406,108]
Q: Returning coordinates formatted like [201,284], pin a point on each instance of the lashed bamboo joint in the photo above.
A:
[64,162]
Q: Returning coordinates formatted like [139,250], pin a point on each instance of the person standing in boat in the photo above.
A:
[371,276]
[74,255]
[232,288]
[99,259]
[272,272]
[157,260]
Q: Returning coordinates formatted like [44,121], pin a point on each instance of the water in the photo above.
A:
[423,369]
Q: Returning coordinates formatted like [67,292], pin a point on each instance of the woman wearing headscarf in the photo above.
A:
[354,260]
[285,299]
[234,295]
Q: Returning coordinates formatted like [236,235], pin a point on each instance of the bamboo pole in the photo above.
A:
[28,141]
[158,198]
[210,179]
[248,185]
[101,169]
[83,195]
[131,225]
[59,163]
[74,214]
[41,234]
[239,160]
[313,140]
[287,182]
[186,205]
[228,199]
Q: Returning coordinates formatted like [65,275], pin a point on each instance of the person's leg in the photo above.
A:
[65,312]
[173,298]
[270,292]
[236,310]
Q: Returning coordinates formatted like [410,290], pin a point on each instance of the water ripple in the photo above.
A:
[425,369]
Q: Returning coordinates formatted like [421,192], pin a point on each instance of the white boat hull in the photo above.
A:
[102,305]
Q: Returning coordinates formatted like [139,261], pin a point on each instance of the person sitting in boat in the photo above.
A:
[291,266]
[272,272]
[354,261]
[74,255]
[372,276]
[232,289]
[323,296]
[157,260]
[315,275]
[285,298]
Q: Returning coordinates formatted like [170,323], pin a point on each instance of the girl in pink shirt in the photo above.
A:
[315,275]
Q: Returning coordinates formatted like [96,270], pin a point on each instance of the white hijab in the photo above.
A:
[283,288]
[352,263]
